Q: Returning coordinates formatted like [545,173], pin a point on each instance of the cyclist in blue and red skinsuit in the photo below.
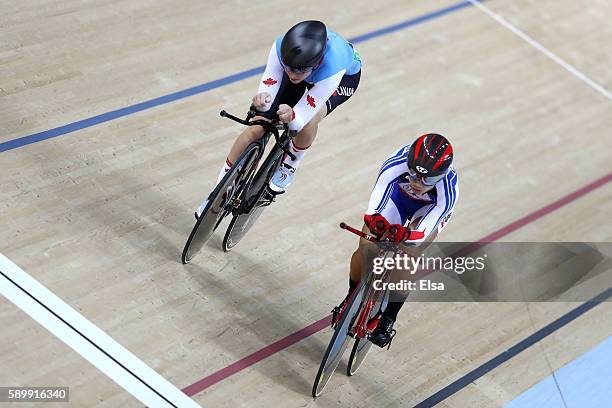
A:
[310,72]
[412,201]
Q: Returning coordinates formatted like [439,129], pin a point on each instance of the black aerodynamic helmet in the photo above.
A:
[304,44]
[429,158]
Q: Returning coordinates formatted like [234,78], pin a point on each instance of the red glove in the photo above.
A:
[398,233]
[377,224]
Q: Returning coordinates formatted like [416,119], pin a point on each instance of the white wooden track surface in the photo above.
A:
[100,215]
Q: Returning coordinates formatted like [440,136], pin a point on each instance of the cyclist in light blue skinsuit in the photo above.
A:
[308,68]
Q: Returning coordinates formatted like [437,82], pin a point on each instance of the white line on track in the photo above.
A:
[88,340]
[580,75]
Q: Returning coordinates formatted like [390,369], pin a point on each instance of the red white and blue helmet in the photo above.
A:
[429,158]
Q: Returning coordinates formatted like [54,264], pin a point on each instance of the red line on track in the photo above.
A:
[521,222]
[319,325]
[257,356]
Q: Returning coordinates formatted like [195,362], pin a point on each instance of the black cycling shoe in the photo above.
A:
[337,310]
[383,333]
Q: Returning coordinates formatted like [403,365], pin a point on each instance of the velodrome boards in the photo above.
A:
[99,210]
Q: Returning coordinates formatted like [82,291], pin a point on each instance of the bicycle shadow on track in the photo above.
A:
[122,204]
[272,322]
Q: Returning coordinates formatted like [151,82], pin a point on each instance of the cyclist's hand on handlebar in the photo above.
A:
[261,99]
[398,233]
[285,113]
[377,224]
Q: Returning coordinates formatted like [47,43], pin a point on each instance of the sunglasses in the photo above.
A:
[298,70]
[424,180]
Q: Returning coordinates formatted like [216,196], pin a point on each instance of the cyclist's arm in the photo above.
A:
[271,78]
[314,100]
[392,168]
[438,215]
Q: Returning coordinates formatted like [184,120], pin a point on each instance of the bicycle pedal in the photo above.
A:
[336,311]
[393,332]
[387,344]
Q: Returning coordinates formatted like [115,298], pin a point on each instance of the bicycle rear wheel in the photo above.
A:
[339,341]
[221,201]
[257,195]
[360,350]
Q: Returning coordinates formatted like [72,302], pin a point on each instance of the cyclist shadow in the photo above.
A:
[297,367]
[120,206]
[148,231]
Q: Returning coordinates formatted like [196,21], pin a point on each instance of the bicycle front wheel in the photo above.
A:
[259,196]
[339,341]
[220,202]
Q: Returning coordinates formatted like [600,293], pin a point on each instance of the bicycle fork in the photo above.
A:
[363,326]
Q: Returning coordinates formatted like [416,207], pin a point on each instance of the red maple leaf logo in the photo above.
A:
[335,92]
[270,82]
[311,101]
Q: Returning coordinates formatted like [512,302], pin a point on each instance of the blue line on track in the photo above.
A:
[105,117]
[475,374]
[409,23]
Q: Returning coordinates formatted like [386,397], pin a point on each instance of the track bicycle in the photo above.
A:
[244,190]
[357,319]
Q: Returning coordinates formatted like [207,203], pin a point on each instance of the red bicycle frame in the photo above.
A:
[363,327]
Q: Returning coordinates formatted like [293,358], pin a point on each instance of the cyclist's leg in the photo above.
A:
[355,272]
[356,265]
[399,298]
[403,207]
[291,94]
[288,92]
[284,175]
[304,139]
[248,136]
[307,135]
[415,221]
[384,332]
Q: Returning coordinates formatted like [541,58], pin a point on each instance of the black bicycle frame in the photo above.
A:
[282,143]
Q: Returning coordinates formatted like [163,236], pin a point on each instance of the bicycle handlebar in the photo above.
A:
[362,234]
[272,127]
[371,238]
